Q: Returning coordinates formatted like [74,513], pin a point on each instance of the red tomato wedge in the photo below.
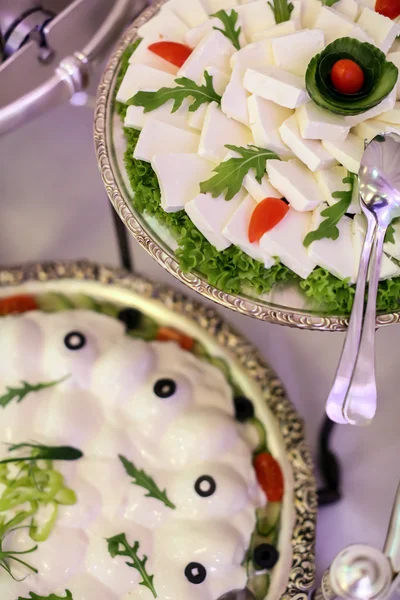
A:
[269,476]
[167,334]
[265,216]
[173,52]
[388,8]
[347,76]
[17,304]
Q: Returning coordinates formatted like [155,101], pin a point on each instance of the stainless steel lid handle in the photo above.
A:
[71,75]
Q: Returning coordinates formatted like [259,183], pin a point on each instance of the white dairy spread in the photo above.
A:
[186,440]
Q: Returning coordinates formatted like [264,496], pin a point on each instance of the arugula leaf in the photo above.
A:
[33,596]
[42,452]
[114,548]
[229,22]
[186,88]
[19,393]
[389,237]
[328,227]
[282,10]
[329,2]
[143,480]
[230,173]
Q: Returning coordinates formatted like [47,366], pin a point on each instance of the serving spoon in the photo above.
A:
[353,395]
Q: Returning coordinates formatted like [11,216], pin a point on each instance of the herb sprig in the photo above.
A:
[282,10]
[229,23]
[333,214]
[33,596]
[12,555]
[230,173]
[19,393]
[143,480]
[186,88]
[42,452]
[119,546]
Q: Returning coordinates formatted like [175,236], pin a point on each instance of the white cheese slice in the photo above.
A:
[394,57]
[164,26]
[259,191]
[136,117]
[214,50]
[386,104]
[336,256]
[195,35]
[310,152]
[285,241]
[277,30]
[276,85]
[388,267]
[213,6]
[191,12]
[143,56]
[179,176]
[142,78]
[369,129]
[256,16]
[348,8]
[162,138]
[234,100]
[315,123]
[218,130]
[310,12]
[358,33]
[296,183]
[331,180]
[391,116]
[265,118]
[333,24]
[381,29]
[210,215]
[293,52]
[253,55]
[348,153]
[237,232]
[220,81]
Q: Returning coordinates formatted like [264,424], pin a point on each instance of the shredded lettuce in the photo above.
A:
[232,270]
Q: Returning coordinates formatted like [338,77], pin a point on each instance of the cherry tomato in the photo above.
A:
[265,216]
[347,76]
[173,52]
[388,8]
[17,304]
[167,334]
[269,476]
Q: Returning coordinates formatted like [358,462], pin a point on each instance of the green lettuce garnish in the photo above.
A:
[380,77]
[232,270]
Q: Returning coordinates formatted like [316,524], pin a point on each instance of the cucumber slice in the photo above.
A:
[259,585]
[106,308]
[53,302]
[84,301]
[268,519]
[255,432]
[147,329]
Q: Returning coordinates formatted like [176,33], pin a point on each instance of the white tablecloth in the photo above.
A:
[53,206]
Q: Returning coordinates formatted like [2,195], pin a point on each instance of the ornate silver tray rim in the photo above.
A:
[160,299]
[263,310]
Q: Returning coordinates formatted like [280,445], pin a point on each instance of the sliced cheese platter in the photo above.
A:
[229,136]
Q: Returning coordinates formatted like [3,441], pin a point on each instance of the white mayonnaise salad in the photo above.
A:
[260,77]
[166,412]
